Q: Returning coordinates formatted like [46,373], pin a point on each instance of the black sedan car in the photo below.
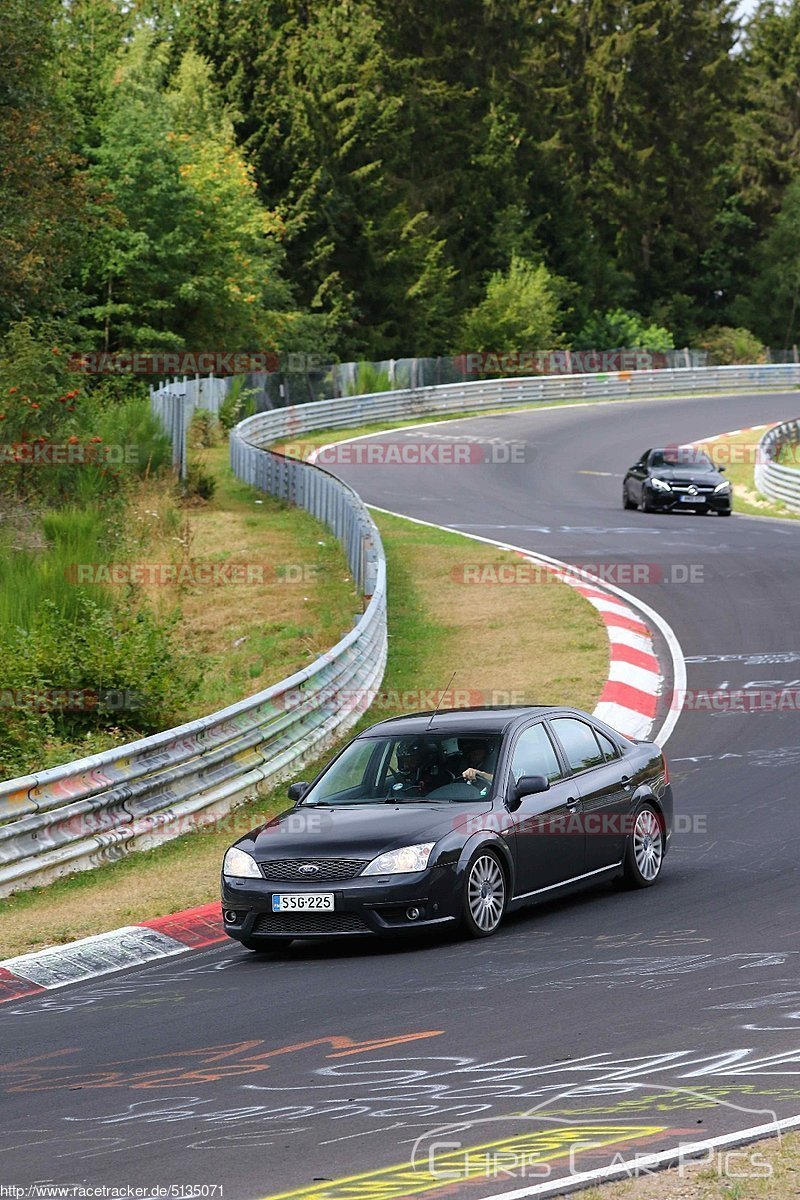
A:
[677,478]
[451,819]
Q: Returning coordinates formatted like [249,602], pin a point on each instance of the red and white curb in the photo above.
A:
[636,678]
[39,972]
[629,700]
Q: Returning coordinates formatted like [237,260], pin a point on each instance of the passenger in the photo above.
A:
[420,768]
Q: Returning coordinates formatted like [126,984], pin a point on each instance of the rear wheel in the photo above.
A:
[644,854]
[260,945]
[484,895]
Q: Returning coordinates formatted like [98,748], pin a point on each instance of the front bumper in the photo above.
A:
[703,502]
[375,906]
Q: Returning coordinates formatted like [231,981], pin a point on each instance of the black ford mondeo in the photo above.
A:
[451,819]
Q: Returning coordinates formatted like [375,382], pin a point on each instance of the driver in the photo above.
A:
[418,768]
[479,759]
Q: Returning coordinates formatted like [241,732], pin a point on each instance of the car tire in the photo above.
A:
[262,945]
[644,852]
[626,500]
[485,895]
[728,512]
[646,505]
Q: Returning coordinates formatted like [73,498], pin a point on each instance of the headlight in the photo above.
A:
[725,486]
[240,865]
[660,485]
[400,862]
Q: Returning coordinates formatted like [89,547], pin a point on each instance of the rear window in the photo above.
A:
[580,744]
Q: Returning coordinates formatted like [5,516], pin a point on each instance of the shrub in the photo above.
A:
[239,403]
[204,430]
[199,482]
[622,329]
[727,346]
[369,378]
[522,310]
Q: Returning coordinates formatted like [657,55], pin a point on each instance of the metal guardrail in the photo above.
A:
[773,480]
[289,423]
[95,810]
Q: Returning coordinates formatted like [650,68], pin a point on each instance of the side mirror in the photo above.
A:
[719,468]
[297,791]
[527,785]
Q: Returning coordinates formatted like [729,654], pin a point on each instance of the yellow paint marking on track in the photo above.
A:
[528,1152]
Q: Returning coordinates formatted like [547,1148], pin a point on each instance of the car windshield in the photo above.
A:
[420,768]
[681,456]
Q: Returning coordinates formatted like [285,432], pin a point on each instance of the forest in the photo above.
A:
[359,179]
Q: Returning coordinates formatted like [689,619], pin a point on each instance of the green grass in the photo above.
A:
[537,641]
[746,497]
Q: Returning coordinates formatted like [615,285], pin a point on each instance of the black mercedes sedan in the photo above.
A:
[451,819]
[676,478]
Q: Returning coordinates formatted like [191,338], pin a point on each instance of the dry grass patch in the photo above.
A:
[246,636]
[701,1181]
[528,643]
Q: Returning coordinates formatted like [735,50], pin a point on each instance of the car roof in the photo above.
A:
[455,721]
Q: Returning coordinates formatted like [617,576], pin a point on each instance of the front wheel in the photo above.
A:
[646,505]
[626,500]
[644,854]
[484,895]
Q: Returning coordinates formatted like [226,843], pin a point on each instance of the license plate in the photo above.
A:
[691,500]
[303,902]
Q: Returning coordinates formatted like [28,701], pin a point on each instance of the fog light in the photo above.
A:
[232,917]
[412,913]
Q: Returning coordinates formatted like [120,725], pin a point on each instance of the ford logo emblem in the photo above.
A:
[308,869]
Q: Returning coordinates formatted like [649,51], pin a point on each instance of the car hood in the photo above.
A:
[687,475]
[356,831]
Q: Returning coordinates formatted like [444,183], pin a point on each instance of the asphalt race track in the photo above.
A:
[605,1025]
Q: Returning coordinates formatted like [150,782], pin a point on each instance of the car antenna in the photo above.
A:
[439,702]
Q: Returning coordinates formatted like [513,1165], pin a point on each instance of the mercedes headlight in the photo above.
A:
[725,486]
[240,865]
[401,862]
[660,485]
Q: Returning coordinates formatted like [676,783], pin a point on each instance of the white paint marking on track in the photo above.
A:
[610,712]
[639,1166]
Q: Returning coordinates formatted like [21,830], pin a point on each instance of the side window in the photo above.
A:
[534,755]
[579,743]
[610,751]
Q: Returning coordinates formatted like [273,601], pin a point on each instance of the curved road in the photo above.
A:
[631,1021]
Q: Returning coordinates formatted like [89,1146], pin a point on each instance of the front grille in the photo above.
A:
[300,924]
[703,489]
[288,869]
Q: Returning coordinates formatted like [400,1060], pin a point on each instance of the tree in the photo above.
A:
[520,311]
[41,205]
[772,307]
[186,254]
